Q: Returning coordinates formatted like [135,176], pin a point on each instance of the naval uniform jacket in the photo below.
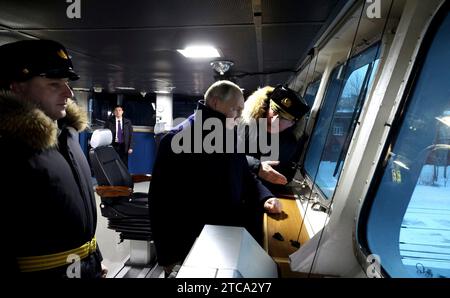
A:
[289,151]
[48,204]
[189,190]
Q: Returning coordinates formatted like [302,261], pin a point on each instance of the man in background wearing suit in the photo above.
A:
[122,131]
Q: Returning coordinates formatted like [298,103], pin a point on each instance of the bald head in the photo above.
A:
[225,97]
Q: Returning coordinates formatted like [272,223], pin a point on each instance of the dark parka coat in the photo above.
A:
[189,190]
[289,149]
[48,204]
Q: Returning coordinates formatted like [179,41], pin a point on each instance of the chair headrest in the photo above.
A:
[101,137]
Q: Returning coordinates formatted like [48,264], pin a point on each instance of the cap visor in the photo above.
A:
[60,74]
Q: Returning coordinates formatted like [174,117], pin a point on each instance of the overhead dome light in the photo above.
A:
[221,66]
[200,52]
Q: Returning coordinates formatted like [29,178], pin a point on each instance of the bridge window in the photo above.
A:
[311,92]
[408,207]
[337,119]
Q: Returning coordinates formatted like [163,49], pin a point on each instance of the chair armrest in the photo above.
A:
[141,178]
[113,191]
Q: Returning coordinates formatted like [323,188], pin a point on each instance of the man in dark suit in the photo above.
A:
[214,188]
[122,131]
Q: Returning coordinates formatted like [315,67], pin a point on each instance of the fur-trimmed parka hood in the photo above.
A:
[24,121]
[257,104]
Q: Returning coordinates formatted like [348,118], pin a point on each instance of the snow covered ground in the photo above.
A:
[425,232]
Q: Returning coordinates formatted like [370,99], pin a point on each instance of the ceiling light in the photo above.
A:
[221,66]
[125,88]
[98,89]
[81,89]
[200,52]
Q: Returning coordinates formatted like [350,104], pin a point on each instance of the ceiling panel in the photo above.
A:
[287,42]
[290,11]
[99,14]
[134,43]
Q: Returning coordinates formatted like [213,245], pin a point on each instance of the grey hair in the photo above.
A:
[223,90]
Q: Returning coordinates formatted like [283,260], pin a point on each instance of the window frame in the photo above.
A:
[316,193]
[312,83]
[360,239]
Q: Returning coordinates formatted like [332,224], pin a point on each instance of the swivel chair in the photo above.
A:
[126,210]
